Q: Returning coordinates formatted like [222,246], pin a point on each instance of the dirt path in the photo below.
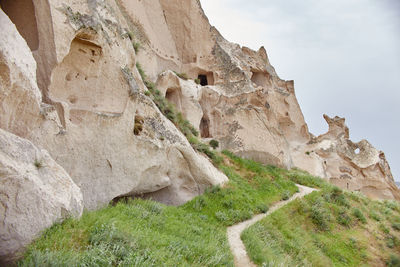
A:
[237,247]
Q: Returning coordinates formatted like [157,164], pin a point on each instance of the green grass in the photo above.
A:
[326,228]
[146,233]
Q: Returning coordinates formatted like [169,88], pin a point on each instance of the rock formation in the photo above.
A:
[69,84]
[35,192]
[352,166]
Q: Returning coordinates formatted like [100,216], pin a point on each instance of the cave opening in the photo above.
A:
[205,127]
[22,14]
[203,79]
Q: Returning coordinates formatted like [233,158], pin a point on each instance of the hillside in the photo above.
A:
[328,228]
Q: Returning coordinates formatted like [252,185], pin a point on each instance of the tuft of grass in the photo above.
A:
[214,143]
[304,178]
[393,261]
[136,46]
[396,226]
[374,215]
[343,218]
[359,215]
[286,195]
[320,216]
[38,163]
[392,241]
[182,75]
[197,81]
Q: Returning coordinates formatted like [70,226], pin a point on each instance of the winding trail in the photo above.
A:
[237,247]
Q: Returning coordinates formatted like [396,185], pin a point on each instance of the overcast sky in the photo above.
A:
[344,56]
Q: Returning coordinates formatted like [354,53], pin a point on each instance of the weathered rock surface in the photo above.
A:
[92,98]
[35,192]
[353,166]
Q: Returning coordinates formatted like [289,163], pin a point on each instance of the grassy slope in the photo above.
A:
[146,233]
[327,228]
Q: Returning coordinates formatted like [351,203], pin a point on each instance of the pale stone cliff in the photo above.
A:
[70,90]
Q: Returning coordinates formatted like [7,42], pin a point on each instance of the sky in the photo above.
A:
[344,56]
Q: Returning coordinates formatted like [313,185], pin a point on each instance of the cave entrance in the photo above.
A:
[205,127]
[206,77]
[22,14]
[203,79]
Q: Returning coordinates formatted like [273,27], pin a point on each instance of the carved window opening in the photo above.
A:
[22,14]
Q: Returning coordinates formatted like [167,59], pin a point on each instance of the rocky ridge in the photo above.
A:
[69,84]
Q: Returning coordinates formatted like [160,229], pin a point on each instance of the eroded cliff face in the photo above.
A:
[242,102]
[352,166]
[69,84]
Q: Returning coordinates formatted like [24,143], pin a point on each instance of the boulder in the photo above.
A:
[35,192]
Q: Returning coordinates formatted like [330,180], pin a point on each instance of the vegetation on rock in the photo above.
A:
[145,233]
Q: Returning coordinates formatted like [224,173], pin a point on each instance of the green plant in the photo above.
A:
[136,46]
[286,195]
[393,261]
[375,216]
[392,241]
[182,75]
[383,228]
[38,163]
[197,81]
[262,208]
[214,143]
[396,226]
[343,218]
[320,216]
[141,71]
[359,215]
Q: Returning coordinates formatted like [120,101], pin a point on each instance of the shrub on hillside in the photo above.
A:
[343,218]
[393,261]
[320,217]
[359,215]
[286,195]
[214,144]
